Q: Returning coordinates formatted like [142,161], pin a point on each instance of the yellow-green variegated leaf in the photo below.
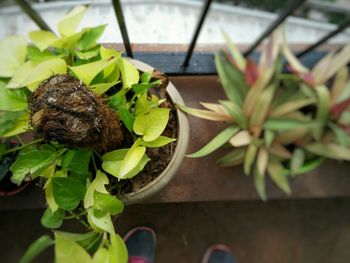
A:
[322,113]
[242,138]
[280,151]
[259,182]
[13,51]
[42,39]
[43,71]
[236,54]
[233,158]
[107,53]
[292,135]
[87,72]
[216,142]
[130,74]
[70,22]
[283,124]
[49,196]
[205,114]
[236,112]
[291,106]
[261,109]
[340,60]
[68,251]
[101,88]
[270,52]
[131,160]
[231,79]
[256,91]
[269,136]
[297,161]
[21,74]
[250,158]
[262,161]
[291,58]
[21,125]
[98,184]
[151,124]
[320,70]
[279,175]
[329,150]
[216,108]
[159,142]
[118,251]
[339,84]
[100,224]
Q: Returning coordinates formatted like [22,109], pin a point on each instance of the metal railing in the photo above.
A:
[184,67]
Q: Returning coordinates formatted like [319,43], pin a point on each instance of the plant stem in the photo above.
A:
[73,216]
[23,146]
[77,217]
[20,140]
[98,155]
[94,162]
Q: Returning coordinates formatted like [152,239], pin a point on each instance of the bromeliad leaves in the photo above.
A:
[280,124]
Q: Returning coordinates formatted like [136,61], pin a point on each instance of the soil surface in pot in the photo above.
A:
[160,158]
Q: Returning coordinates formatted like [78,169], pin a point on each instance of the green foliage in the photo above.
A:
[75,188]
[52,219]
[77,161]
[13,50]
[151,124]
[68,192]
[279,124]
[31,163]
[12,100]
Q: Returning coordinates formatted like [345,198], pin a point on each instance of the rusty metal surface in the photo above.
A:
[201,180]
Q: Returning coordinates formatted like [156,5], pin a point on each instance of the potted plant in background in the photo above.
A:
[96,129]
[281,121]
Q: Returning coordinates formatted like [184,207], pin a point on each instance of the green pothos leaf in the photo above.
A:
[13,52]
[68,251]
[151,124]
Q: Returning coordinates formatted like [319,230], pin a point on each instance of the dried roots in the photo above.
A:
[64,110]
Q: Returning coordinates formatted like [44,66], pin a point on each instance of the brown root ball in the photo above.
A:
[65,110]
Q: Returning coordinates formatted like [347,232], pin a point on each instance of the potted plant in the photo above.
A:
[282,120]
[7,187]
[103,129]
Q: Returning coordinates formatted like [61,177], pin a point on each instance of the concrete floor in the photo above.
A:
[300,231]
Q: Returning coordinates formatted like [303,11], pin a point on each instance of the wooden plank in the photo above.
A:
[201,180]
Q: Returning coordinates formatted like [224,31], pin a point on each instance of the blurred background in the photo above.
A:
[173,21]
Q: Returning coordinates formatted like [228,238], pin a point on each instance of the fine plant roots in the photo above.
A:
[65,110]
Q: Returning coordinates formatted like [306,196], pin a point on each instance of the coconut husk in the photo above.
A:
[65,110]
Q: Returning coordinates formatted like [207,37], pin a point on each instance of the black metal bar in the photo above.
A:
[293,6]
[121,21]
[27,8]
[202,17]
[340,29]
